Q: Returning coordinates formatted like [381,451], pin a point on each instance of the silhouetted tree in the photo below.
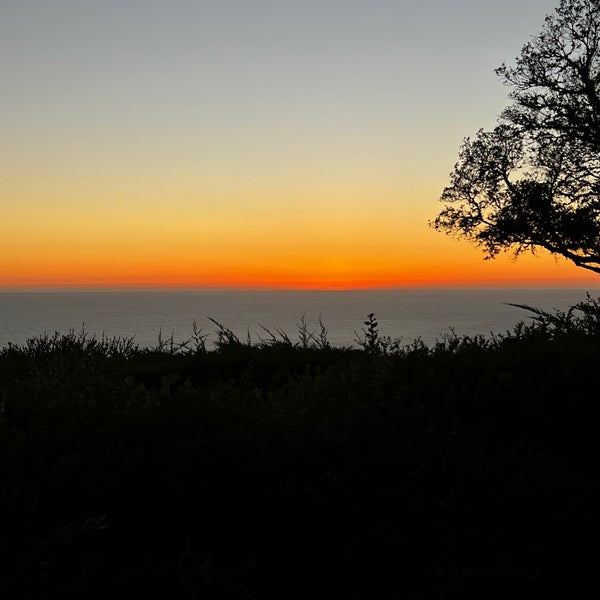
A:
[534,180]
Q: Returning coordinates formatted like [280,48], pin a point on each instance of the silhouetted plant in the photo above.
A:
[166,345]
[581,319]
[533,182]
[590,321]
[73,342]
[369,340]
[306,337]
[198,339]
[276,338]
[230,474]
[321,339]
[225,337]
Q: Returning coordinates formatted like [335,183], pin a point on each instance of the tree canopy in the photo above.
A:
[534,180]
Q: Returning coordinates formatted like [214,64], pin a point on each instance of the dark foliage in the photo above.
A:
[284,470]
[533,182]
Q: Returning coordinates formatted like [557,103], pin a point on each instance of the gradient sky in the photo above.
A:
[248,143]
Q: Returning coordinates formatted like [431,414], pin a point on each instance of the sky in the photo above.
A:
[249,143]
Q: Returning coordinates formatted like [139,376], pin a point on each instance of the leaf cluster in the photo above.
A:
[533,182]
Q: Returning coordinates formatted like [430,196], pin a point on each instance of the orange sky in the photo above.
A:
[323,236]
[255,147]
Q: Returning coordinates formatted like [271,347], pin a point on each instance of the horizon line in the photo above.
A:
[540,284]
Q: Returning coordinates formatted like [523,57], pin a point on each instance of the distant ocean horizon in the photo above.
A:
[405,314]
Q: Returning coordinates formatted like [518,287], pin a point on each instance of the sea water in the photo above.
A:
[405,314]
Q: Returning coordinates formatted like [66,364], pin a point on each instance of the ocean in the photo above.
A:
[405,314]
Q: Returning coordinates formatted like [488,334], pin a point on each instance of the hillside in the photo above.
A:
[293,469]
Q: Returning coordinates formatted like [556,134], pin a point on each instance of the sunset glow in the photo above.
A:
[187,145]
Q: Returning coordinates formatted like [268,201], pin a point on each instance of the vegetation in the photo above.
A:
[533,182]
[289,468]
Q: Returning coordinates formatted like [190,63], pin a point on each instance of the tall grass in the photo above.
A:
[285,467]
